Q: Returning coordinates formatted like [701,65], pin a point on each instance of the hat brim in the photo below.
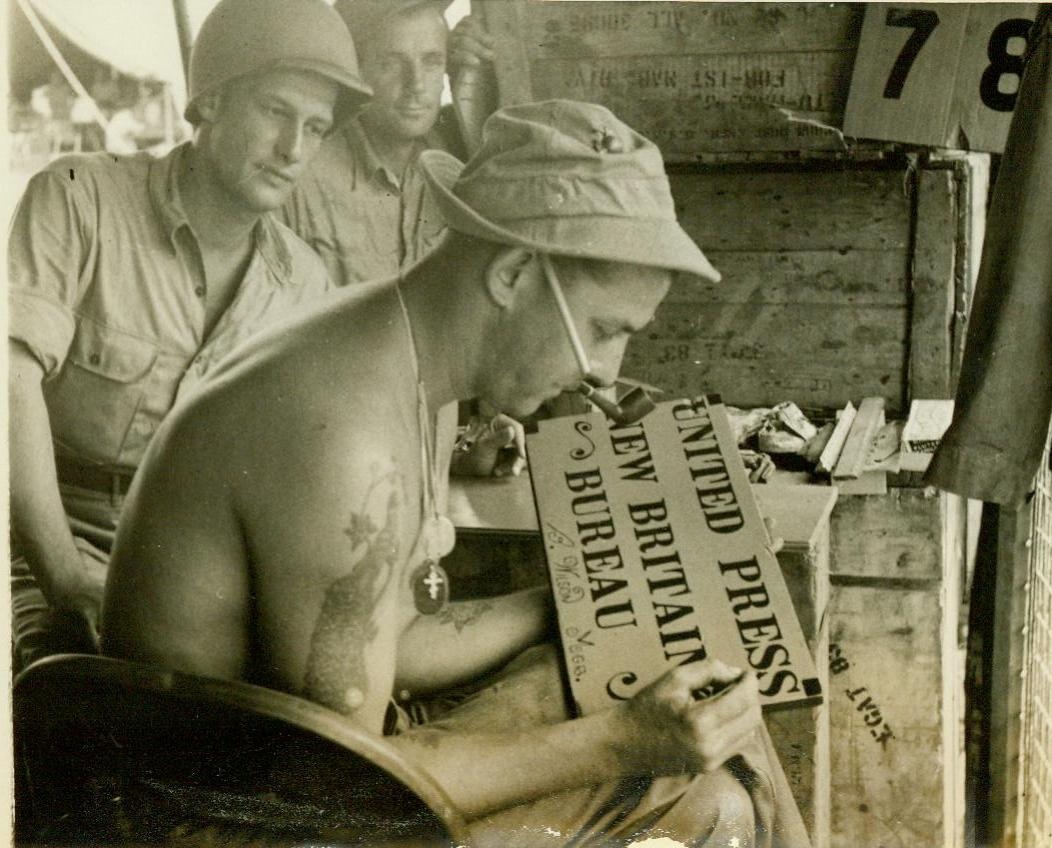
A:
[354,92]
[658,244]
[366,16]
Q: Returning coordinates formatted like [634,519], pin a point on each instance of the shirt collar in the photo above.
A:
[163,180]
[163,183]
[270,242]
[366,160]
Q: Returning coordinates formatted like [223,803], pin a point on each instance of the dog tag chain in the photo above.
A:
[429,581]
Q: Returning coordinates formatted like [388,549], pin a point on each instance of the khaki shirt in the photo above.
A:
[362,220]
[107,292]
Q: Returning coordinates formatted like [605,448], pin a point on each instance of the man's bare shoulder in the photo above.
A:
[330,394]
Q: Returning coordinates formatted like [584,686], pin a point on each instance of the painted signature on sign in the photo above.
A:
[566,577]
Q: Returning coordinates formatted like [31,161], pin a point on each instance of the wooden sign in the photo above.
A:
[944,75]
[658,555]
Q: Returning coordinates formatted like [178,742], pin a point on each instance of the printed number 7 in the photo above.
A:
[923,23]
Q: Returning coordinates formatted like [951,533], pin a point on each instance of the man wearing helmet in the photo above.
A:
[131,277]
[302,552]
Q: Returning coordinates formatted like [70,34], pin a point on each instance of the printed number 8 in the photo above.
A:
[1002,63]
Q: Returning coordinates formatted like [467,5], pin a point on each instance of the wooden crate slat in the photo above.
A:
[795,210]
[694,77]
[890,792]
[853,457]
[892,537]
[934,285]
[756,354]
[849,278]
[669,28]
[896,712]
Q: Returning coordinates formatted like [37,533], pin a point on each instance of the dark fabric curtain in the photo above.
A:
[1004,398]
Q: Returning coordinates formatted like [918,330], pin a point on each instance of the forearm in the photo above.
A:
[663,729]
[484,772]
[37,516]
[469,638]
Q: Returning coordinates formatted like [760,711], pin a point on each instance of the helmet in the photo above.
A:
[242,37]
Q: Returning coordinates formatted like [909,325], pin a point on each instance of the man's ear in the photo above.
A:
[208,106]
[504,274]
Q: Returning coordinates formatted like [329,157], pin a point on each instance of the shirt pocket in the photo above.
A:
[94,400]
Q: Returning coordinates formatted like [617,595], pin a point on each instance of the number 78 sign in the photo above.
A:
[942,75]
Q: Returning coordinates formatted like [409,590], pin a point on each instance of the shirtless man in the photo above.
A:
[286,525]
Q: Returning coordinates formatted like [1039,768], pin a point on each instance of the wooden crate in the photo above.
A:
[896,688]
[801,735]
[847,268]
[839,282]
[697,78]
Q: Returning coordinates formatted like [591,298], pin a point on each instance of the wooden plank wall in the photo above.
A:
[814,303]
[701,77]
[842,280]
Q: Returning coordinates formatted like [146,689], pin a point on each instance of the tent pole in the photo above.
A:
[186,38]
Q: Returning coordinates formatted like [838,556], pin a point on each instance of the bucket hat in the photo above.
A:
[566,178]
[241,37]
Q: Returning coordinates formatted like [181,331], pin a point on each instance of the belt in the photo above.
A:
[107,479]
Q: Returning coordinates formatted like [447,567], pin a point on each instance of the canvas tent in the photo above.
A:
[135,38]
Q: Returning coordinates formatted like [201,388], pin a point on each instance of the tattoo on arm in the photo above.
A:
[463,613]
[336,675]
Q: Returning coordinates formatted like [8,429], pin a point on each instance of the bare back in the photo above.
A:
[270,533]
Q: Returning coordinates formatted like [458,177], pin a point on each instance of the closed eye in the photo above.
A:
[278,110]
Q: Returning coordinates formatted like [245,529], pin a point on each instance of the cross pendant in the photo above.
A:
[430,587]
[434,581]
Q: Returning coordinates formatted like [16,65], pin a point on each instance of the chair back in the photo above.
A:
[110,752]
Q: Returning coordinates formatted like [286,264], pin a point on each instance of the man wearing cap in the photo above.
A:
[302,552]
[131,277]
[362,204]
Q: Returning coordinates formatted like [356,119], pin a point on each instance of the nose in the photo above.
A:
[290,142]
[415,78]
[606,364]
